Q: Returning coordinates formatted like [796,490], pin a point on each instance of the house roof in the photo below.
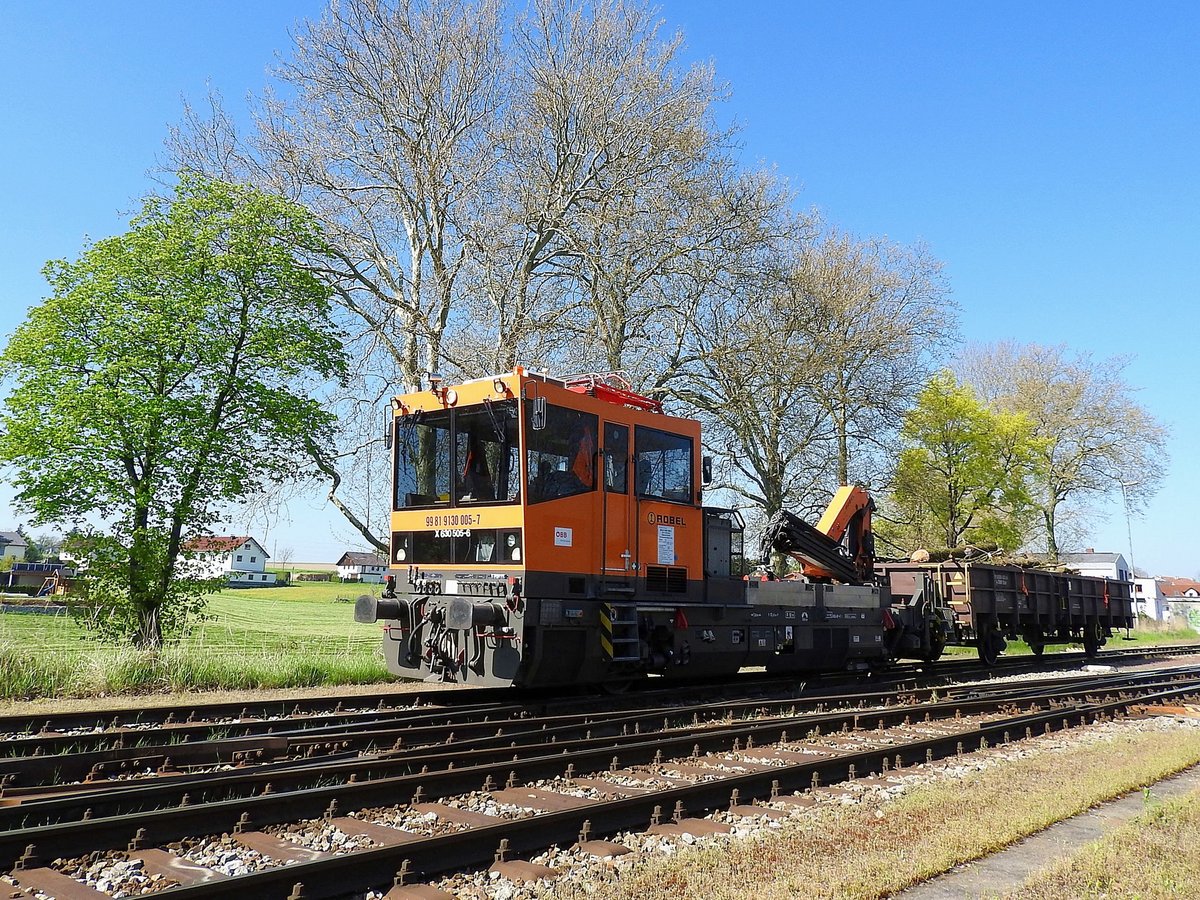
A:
[12,538]
[1082,558]
[1178,587]
[219,543]
[351,558]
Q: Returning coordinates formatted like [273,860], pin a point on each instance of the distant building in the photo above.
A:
[12,545]
[241,558]
[1180,588]
[1150,600]
[39,579]
[1099,565]
[361,567]
[1183,596]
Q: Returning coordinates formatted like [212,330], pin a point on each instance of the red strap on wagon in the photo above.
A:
[1106,592]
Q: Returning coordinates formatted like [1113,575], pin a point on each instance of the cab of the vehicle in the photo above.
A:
[523,498]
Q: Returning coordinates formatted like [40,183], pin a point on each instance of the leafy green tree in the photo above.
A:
[1096,440]
[962,476]
[175,368]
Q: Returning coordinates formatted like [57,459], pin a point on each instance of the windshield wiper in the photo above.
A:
[497,426]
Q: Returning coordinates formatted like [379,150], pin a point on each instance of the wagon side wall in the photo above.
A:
[1021,600]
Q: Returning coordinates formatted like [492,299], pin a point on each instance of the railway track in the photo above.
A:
[22,734]
[404,793]
[132,745]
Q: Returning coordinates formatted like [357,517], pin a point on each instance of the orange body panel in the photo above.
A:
[592,532]
[598,532]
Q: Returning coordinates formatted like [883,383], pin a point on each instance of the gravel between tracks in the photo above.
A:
[583,869]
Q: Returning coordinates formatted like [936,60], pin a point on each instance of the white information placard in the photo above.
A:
[666,545]
[562,536]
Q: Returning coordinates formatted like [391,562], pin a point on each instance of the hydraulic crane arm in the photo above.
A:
[840,547]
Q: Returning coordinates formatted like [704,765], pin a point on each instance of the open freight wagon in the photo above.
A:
[992,602]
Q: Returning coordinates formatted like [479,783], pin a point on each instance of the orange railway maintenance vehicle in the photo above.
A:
[551,531]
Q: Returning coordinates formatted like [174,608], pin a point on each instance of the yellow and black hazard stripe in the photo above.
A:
[606,618]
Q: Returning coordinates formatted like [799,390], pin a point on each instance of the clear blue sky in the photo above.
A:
[1048,153]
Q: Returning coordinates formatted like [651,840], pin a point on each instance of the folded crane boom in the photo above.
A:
[839,548]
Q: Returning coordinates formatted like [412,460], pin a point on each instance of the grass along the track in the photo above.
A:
[303,635]
[250,638]
[1154,857]
[1146,634]
[871,851]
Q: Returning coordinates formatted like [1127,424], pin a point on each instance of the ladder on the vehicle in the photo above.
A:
[619,632]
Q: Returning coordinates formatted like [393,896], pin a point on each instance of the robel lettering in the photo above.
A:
[658,519]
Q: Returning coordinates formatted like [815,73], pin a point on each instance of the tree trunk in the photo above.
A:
[1051,540]
[843,453]
[144,599]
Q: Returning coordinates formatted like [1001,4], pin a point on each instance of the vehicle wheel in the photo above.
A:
[989,643]
[1036,639]
[623,686]
[1091,638]
[937,644]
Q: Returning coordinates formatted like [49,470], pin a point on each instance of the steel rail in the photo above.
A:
[449,699]
[289,775]
[466,772]
[69,757]
[334,876]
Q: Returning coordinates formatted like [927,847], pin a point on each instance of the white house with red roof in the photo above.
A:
[1150,599]
[355,566]
[1180,588]
[1183,597]
[240,557]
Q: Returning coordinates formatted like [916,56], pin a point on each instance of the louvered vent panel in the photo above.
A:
[666,579]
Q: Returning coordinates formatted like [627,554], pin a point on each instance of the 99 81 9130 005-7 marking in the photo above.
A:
[450,520]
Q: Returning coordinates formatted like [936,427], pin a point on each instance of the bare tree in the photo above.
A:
[1097,440]
[882,320]
[385,135]
[492,190]
[615,197]
[751,381]
[804,371]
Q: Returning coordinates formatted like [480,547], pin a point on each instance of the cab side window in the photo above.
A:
[663,465]
[561,456]
[616,457]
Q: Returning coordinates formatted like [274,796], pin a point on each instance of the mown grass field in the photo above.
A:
[303,635]
[297,636]
[1155,857]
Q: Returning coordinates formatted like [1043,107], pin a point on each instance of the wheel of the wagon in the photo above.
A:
[937,643]
[1091,638]
[621,685]
[1036,639]
[989,643]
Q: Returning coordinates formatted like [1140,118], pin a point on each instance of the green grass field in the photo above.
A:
[1147,635]
[303,635]
[299,636]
